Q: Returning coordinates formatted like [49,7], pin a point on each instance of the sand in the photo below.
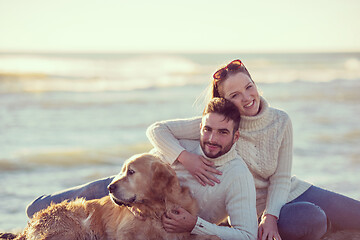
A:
[341,235]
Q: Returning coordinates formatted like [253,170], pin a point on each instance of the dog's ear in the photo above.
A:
[163,179]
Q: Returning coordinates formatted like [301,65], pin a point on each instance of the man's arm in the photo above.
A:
[240,199]
[240,204]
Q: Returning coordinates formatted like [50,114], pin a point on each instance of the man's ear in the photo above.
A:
[236,136]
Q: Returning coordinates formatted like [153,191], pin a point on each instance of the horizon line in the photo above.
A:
[177,52]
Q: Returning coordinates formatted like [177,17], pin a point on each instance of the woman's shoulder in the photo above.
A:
[279,114]
[272,114]
[281,120]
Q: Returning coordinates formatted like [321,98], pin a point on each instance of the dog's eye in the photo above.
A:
[130,172]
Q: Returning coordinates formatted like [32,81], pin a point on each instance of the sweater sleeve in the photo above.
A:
[240,200]
[279,187]
[164,136]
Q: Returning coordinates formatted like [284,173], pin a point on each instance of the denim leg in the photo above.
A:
[306,216]
[302,221]
[343,212]
[93,190]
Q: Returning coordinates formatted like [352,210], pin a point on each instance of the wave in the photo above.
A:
[73,157]
[309,71]
[95,73]
[350,137]
[44,73]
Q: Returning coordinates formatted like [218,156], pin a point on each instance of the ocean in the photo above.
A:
[66,119]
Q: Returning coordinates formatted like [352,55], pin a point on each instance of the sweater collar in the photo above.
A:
[219,161]
[259,121]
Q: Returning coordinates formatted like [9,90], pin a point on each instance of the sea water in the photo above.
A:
[67,119]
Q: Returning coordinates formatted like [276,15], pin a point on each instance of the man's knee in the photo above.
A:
[35,206]
[302,220]
[93,190]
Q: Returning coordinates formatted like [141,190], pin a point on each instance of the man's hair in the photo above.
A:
[224,107]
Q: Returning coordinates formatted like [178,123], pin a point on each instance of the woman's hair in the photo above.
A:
[214,86]
[212,91]
[225,108]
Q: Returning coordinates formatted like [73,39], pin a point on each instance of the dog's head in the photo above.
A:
[143,179]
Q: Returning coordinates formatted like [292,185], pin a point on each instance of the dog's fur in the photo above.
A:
[143,191]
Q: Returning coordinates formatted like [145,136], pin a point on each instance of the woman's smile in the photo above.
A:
[241,90]
[250,104]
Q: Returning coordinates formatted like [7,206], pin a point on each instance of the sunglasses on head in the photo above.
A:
[223,72]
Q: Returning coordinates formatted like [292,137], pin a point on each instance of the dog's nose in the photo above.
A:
[112,188]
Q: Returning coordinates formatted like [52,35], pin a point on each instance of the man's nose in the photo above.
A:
[212,137]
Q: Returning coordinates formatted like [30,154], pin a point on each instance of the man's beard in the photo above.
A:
[222,151]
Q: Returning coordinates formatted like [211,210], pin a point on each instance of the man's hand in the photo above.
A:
[178,220]
[268,229]
[202,169]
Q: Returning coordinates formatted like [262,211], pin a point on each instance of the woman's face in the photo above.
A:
[240,90]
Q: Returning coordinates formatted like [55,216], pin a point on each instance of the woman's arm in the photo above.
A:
[279,188]
[165,135]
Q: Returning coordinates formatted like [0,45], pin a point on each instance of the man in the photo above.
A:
[233,196]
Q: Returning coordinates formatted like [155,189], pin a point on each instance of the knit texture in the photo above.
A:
[265,144]
[234,197]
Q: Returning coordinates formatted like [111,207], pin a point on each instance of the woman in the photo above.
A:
[290,209]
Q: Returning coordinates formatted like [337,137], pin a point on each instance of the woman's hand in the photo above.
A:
[178,220]
[268,229]
[201,168]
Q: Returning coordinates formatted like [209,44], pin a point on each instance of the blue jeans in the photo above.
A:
[305,218]
[93,190]
[310,215]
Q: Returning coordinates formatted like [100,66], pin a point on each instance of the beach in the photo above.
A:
[67,119]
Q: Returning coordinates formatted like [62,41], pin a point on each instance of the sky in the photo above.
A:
[185,26]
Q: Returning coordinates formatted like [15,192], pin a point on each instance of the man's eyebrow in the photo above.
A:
[224,129]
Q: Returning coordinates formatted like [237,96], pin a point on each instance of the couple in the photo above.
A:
[287,207]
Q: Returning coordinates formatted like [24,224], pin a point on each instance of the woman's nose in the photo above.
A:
[245,96]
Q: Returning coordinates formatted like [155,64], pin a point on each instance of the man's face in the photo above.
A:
[217,135]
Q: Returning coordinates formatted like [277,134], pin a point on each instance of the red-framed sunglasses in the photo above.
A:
[223,72]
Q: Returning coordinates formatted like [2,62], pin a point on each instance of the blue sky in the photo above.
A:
[179,26]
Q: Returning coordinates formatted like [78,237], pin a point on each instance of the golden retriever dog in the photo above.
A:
[139,195]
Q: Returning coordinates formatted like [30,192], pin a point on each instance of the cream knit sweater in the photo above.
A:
[265,144]
[234,197]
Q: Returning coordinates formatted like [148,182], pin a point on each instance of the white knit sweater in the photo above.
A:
[234,197]
[265,144]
